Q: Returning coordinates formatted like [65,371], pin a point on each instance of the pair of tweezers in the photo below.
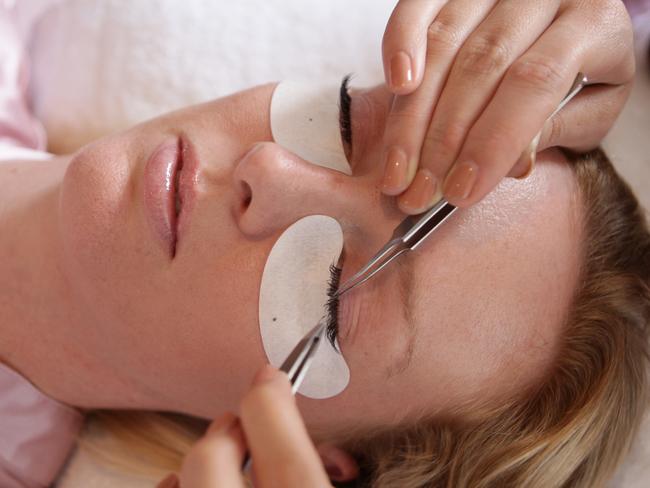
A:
[297,364]
[412,231]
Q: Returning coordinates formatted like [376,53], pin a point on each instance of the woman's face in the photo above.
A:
[473,315]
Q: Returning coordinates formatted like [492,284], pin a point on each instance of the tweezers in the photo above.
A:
[297,364]
[414,230]
[299,359]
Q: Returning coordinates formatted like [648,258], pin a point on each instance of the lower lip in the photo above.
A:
[160,175]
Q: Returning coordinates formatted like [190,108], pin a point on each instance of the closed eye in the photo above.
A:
[332,305]
[345,120]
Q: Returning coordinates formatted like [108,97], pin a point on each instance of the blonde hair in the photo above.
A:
[572,430]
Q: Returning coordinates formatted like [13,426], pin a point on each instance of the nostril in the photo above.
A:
[247,195]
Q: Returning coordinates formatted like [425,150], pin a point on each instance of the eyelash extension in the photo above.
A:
[332,305]
[345,103]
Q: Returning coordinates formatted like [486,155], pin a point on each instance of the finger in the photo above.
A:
[583,123]
[605,30]
[216,459]
[410,115]
[170,481]
[276,435]
[531,90]
[508,32]
[405,41]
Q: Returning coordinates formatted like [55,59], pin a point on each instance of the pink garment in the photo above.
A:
[18,126]
[37,433]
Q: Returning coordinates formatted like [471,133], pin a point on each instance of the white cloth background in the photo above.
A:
[102,66]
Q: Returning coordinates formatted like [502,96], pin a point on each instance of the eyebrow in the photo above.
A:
[405,268]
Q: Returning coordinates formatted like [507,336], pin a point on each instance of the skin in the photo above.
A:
[91,280]
[87,276]
[271,429]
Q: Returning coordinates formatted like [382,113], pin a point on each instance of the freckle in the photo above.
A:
[310,119]
[275,319]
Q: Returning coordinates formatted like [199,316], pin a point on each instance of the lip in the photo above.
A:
[171,171]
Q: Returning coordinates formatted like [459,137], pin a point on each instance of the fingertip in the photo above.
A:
[423,194]
[222,423]
[460,183]
[266,374]
[171,481]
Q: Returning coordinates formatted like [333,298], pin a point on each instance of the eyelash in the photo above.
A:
[332,305]
[345,103]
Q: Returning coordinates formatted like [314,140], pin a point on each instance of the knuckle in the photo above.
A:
[443,33]
[539,73]
[483,56]
[406,117]
[445,140]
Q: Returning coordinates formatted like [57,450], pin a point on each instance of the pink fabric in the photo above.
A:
[18,126]
[37,433]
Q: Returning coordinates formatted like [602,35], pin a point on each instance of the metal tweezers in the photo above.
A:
[412,231]
[297,364]
[299,360]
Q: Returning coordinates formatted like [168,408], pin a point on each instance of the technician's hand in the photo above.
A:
[273,431]
[477,79]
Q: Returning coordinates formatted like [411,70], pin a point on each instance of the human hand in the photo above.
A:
[271,429]
[477,79]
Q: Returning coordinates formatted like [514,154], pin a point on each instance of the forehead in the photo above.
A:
[491,289]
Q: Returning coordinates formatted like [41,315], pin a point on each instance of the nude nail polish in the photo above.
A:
[461,180]
[421,193]
[395,171]
[401,70]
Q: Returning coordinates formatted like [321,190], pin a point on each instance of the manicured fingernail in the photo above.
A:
[461,180]
[266,374]
[395,171]
[170,481]
[420,194]
[401,70]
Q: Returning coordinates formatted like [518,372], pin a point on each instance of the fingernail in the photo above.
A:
[401,70]
[420,194]
[266,374]
[461,180]
[528,158]
[223,423]
[171,481]
[395,171]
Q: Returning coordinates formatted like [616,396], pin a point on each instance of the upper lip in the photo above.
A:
[169,177]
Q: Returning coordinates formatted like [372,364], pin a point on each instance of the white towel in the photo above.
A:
[100,66]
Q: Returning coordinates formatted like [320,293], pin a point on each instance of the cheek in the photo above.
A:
[93,211]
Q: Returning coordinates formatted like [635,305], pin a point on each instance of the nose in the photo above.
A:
[275,188]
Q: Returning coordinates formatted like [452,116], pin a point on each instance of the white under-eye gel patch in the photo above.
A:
[293,294]
[305,120]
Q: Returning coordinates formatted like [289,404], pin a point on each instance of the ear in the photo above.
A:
[339,464]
